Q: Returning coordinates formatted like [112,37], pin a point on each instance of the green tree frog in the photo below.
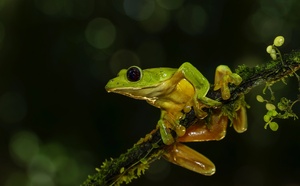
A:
[174,91]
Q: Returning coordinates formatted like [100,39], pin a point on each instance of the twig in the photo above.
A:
[133,163]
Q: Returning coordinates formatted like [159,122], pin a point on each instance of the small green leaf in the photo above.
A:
[269,49]
[278,41]
[259,98]
[273,56]
[122,170]
[267,118]
[270,106]
[273,113]
[273,126]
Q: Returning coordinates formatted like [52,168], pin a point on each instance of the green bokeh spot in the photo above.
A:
[23,146]
[100,33]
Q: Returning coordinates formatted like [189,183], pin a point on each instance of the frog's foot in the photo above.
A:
[188,158]
[204,102]
[167,123]
[175,125]
[165,133]
[223,77]
[240,123]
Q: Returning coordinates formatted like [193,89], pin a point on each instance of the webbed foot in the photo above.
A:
[223,77]
[188,158]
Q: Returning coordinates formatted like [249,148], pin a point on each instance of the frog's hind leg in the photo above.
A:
[240,123]
[188,158]
[201,131]
[224,77]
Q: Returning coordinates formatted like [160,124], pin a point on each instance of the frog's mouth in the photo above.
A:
[146,93]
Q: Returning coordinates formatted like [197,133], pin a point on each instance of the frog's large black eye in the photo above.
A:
[134,73]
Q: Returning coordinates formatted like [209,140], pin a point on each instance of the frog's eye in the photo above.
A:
[134,73]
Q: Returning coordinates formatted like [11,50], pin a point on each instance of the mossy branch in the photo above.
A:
[136,160]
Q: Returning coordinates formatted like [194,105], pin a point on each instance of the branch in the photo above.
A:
[136,160]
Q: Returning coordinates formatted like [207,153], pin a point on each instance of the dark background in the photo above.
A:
[57,123]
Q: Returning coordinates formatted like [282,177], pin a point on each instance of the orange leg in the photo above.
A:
[240,123]
[188,158]
[200,131]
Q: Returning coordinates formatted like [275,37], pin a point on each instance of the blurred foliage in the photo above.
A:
[57,122]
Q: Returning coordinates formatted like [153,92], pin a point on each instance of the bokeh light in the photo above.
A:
[51,7]
[41,164]
[159,18]
[192,19]
[100,33]
[46,164]
[68,170]
[66,8]
[139,9]
[273,18]
[40,178]
[264,25]
[170,4]
[24,146]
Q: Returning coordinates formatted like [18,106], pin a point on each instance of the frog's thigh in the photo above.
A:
[240,123]
[188,158]
[201,132]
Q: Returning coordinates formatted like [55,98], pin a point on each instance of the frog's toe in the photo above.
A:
[168,139]
[240,122]
[187,108]
[165,133]
[180,130]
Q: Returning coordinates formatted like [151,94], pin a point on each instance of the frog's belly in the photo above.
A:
[180,97]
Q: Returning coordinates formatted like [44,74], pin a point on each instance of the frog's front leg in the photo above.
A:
[188,158]
[201,86]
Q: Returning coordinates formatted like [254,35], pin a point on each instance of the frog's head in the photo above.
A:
[137,83]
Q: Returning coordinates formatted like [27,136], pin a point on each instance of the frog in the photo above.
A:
[175,91]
